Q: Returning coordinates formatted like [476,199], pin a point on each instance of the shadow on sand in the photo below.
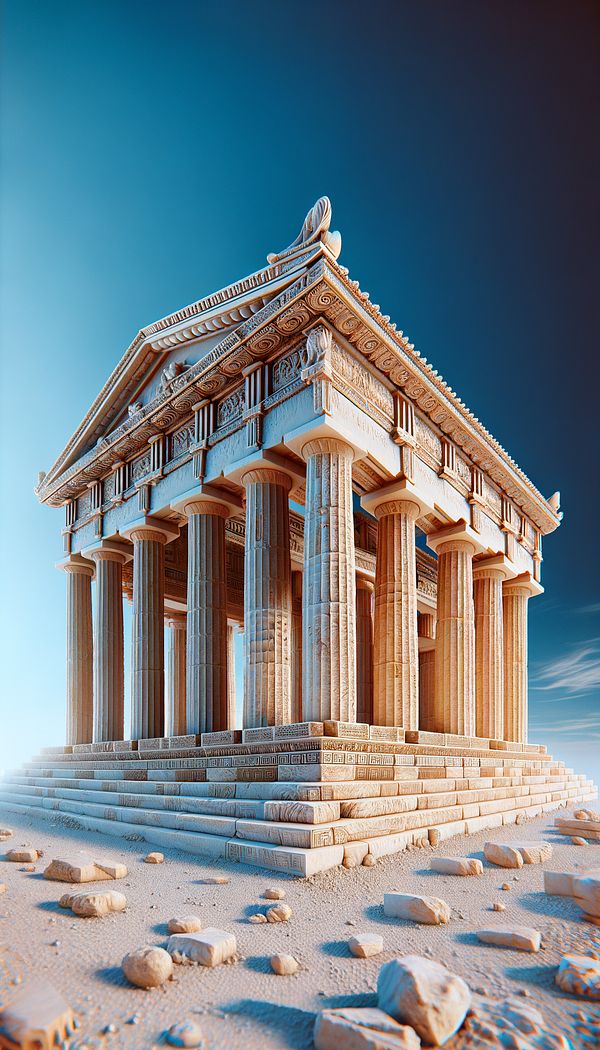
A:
[293,1027]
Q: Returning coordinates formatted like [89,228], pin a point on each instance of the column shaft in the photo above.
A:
[426,632]
[108,648]
[267,600]
[148,635]
[231,689]
[206,618]
[297,714]
[514,604]
[79,653]
[489,653]
[176,724]
[329,586]
[455,640]
[364,651]
[396,672]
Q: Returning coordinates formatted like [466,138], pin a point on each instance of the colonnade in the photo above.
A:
[321,644]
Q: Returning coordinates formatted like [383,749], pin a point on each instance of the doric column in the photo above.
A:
[109,558]
[267,599]
[455,633]
[364,650]
[396,667]
[296,715]
[426,639]
[79,650]
[175,721]
[231,690]
[489,648]
[329,588]
[515,597]
[206,664]
[148,632]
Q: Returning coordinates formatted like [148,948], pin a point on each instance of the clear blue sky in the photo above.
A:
[154,152]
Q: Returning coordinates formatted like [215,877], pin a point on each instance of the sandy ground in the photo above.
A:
[246,1006]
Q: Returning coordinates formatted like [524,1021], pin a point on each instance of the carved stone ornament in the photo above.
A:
[171,372]
[318,346]
[315,228]
[134,407]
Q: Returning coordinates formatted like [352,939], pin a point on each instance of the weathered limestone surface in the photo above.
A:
[108,643]
[426,639]
[430,910]
[148,633]
[455,639]
[176,694]
[329,588]
[362,1028]
[515,599]
[579,975]
[209,948]
[523,938]
[457,865]
[148,967]
[231,690]
[425,995]
[296,715]
[267,599]
[79,651]
[396,660]
[364,650]
[489,651]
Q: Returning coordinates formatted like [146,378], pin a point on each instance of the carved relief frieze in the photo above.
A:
[140,467]
[230,409]
[180,440]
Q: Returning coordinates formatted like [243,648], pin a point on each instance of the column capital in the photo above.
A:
[175,619]
[76,564]
[456,537]
[109,550]
[494,567]
[268,476]
[522,585]
[149,527]
[266,459]
[364,584]
[303,440]
[399,491]
[207,499]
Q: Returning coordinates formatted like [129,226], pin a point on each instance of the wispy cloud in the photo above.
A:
[589,609]
[575,674]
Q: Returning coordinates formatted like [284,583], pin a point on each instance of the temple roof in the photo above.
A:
[247,314]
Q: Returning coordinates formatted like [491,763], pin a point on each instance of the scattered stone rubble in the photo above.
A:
[365,945]
[82,868]
[523,938]
[457,865]
[579,975]
[502,855]
[23,856]
[154,858]
[94,905]
[148,967]
[430,910]
[184,924]
[284,965]
[210,947]
[365,1028]
[425,995]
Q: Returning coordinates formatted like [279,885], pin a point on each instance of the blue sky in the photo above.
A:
[155,152]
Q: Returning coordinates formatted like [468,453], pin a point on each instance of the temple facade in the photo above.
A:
[279,459]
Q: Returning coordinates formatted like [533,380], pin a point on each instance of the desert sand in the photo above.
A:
[243,1004]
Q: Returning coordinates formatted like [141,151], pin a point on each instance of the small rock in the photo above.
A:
[369,861]
[215,880]
[23,856]
[208,948]
[579,975]
[362,1028]
[109,1029]
[28,867]
[523,938]
[258,917]
[457,865]
[185,924]
[506,886]
[502,855]
[424,994]
[274,894]
[430,910]
[185,1034]
[284,965]
[576,840]
[364,945]
[434,837]
[3,887]
[280,913]
[5,833]
[147,967]
[155,858]
[498,906]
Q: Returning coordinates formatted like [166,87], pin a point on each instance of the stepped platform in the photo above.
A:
[299,798]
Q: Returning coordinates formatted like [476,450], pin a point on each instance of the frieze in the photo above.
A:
[180,440]
[231,407]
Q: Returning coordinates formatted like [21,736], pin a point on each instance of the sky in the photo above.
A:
[153,153]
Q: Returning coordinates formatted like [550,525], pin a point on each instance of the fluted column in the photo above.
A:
[206,663]
[79,650]
[148,633]
[515,598]
[364,650]
[329,587]
[426,639]
[297,714]
[175,721]
[396,668]
[109,692]
[489,651]
[267,599]
[231,690]
[455,639]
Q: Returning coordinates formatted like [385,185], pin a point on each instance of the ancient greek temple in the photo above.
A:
[279,460]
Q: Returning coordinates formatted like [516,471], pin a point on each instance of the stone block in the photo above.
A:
[522,938]
[354,854]
[586,893]
[348,730]
[385,845]
[376,807]
[425,995]
[365,945]
[362,1028]
[294,861]
[280,834]
[224,736]
[302,812]
[420,736]
[559,883]
[386,733]
[457,865]
[298,730]
[210,947]
[258,735]
[429,910]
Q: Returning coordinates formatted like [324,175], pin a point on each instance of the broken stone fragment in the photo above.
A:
[279,913]
[94,905]
[498,906]
[3,887]
[154,858]
[576,840]
[215,880]
[364,945]
[362,1028]
[430,910]
[185,924]
[82,869]
[185,1034]
[523,938]
[424,994]
[502,855]
[208,948]
[534,852]
[258,917]
[586,893]
[457,865]
[559,883]
[579,975]
[148,967]
[37,1016]
[5,833]
[274,894]
[284,965]
[23,856]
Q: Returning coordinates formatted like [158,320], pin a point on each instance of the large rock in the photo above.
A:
[559,883]
[523,938]
[586,893]
[457,865]
[148,967]
[94,905]
[424,994]
[364,945]
[284,965]
[362,1029]
[208,948]
[579,975]
[502,855]
[82,868]
[430,910]
[37,1016]
[279,913]
[185,924]
[23,856]
[534,852]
